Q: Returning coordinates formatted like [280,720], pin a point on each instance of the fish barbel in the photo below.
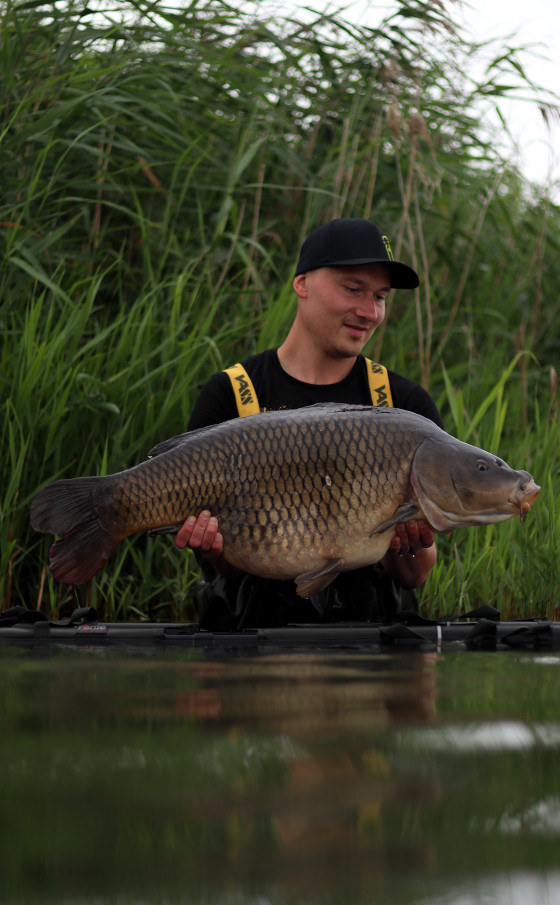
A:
[302,494]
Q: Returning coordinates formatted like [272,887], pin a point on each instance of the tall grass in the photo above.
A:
[159,171]
[512,565]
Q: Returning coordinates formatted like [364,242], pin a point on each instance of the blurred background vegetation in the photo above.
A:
[159,169]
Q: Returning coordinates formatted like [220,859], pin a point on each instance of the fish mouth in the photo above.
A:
[525,496]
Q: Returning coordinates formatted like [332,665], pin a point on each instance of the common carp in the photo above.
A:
[302,494]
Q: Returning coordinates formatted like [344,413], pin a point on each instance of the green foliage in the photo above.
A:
[159,169]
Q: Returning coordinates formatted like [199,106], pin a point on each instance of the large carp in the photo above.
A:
[301,494]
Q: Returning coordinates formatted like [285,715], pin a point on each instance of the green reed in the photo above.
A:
[158,176]
[512,564]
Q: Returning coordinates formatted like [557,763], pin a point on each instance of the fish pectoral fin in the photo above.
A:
[165,529]
[316,580]
[403,513]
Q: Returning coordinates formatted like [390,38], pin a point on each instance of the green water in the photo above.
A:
[287,777]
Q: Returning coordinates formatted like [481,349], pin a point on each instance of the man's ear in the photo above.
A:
[300,285]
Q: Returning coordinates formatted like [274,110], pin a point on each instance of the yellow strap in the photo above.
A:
[379,384]
[244,391]
[248,404]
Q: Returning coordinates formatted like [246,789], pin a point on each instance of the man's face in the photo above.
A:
[340,307]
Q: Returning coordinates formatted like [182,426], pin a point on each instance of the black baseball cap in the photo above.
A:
[347,241]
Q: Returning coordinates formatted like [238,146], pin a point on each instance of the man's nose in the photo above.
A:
[370,309]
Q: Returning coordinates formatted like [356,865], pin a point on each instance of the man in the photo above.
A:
[344,274]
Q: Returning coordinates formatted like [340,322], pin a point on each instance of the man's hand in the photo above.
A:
[412,553]
[202,536]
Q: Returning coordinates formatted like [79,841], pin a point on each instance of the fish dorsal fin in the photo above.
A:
[327,408]
[166,446]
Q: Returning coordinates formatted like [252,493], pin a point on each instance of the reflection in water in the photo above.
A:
[306,694]
[301,776]
[541,818]
[516,888]
[499,735]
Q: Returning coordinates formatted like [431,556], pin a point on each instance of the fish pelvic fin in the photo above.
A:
[67,508]
[316,580]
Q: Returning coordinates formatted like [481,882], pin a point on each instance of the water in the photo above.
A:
[306,776]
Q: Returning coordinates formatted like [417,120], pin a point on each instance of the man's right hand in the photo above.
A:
[201,534]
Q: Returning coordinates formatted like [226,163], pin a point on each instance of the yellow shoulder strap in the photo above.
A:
[243,390]
[379,384]
[248,404]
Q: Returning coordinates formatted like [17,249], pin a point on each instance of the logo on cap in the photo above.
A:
[390,254]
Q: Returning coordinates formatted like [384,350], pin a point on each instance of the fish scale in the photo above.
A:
[306,495]
[299,494]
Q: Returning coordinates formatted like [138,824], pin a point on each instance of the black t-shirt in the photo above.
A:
[365,594]
[278,390]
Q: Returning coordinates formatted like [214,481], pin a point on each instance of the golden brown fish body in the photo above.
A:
[298,494]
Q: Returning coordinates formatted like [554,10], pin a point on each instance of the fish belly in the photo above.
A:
[285,559]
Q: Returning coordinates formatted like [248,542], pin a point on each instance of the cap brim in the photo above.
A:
[402,276]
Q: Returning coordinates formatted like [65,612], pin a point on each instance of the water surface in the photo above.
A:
[296,776]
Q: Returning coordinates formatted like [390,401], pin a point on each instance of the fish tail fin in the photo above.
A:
[67,508]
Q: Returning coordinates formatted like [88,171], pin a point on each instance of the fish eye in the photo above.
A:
[481,466]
